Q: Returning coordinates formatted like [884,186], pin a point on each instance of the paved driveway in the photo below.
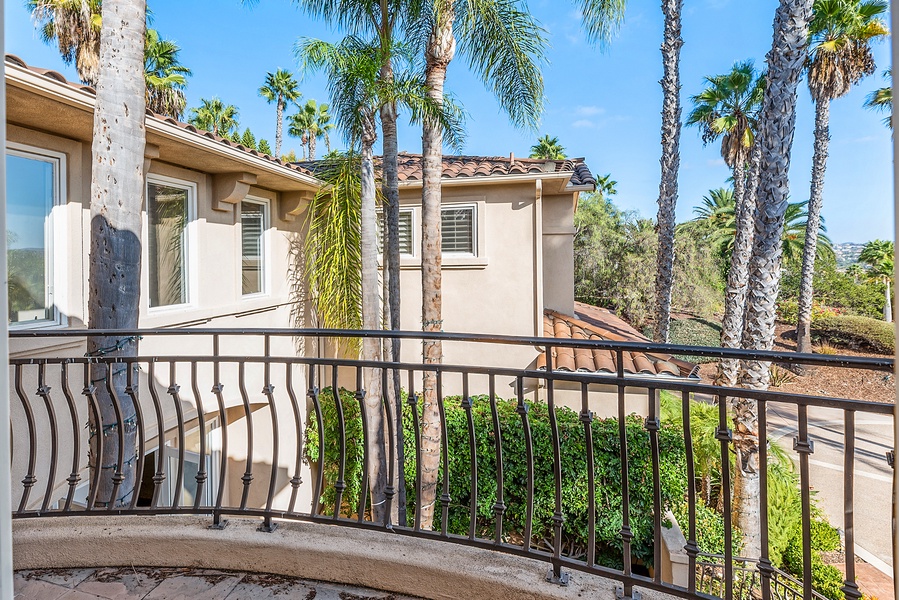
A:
[873,476]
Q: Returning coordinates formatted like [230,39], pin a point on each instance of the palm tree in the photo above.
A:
[717,213]
[882,99]
[839,57]
[548,148]
[280,87]
[74,25]
[879,256]
[213,115]
[166,77]
[117,191]
[605,185]
[357,93]
[777,122]
[505,46]
[671,129]
[311,122]
[728,108]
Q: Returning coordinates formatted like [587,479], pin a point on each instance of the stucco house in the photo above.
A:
[221,229]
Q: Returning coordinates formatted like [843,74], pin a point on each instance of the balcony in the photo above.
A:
[227,449]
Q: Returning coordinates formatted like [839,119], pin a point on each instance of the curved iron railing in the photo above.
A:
[211,421]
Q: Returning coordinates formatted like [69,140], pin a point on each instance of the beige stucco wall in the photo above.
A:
[215,300]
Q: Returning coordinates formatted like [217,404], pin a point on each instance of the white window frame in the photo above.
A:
[266,246]
[55,234]
[413,232]
[191,261]
[473,207]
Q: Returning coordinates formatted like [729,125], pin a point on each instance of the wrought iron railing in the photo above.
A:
[222,421]
[746,579]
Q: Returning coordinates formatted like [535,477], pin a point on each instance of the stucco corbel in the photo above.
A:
[151,153]
[229,189]
[292,204]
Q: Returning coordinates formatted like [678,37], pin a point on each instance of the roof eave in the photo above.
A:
[80,98]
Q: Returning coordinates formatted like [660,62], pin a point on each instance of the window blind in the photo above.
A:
[457,230]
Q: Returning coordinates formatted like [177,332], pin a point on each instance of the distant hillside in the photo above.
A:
[847,253]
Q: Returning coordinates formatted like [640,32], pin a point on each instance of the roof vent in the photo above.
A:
[511,159]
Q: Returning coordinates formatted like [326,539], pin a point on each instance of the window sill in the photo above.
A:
[450,263]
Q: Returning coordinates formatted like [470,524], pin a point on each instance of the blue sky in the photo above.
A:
[603,105]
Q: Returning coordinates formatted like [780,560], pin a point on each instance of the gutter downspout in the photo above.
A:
[538,259]
[6,577]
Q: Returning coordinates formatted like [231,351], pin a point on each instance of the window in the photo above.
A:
[406,236]
[168,215]
[253,224]
[33,189]
[457,230]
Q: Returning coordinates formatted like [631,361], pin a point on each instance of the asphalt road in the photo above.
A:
[873,476]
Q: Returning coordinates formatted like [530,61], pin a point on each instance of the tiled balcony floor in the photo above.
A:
[174,584]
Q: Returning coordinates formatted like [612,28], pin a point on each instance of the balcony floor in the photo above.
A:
[174,584]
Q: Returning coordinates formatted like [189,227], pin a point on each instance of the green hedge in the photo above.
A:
[608,512]
[692,332]
[826,579]
[860,333]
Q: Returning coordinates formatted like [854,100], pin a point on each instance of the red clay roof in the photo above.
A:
[58,77]
[460,167]
[486,166]
[594,323]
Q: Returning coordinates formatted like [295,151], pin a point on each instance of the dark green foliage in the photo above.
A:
[862,333]
[709,528]
[264,147]
[248,140]
[615,264]
[693,332]
[574,473]
[835,289]
[826,579]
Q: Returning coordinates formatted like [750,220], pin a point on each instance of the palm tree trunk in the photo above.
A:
[279,128]
[815,202]
[888,305]
[777,126]
[117,191]
[671,127]
[374,410]
[311,147]
[390,187]
[738,276]
[440,51]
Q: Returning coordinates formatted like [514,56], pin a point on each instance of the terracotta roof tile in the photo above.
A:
[596,323]
[463,166]
[58,77]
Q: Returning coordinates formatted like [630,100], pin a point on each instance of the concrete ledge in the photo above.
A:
[373,559]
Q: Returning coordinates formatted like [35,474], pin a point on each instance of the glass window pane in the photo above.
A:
[252,224]
[456,228]
[30,196]
[167,215]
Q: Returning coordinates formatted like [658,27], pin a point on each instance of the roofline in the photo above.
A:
[71,95]
[498,180]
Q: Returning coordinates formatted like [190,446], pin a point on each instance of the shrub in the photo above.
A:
[709,528]
[608,517]
[861,333]
[827,580]
[788,311]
